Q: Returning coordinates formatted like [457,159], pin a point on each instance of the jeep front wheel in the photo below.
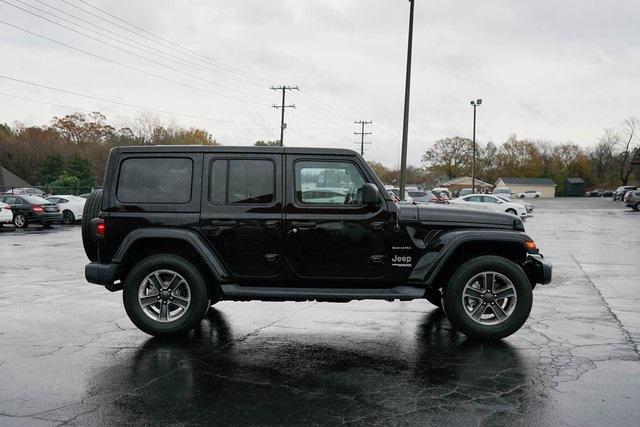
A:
[488,298]
[165,295]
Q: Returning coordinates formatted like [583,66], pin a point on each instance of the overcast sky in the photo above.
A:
[558,70]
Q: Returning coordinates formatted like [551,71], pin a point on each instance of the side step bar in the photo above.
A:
[403,293]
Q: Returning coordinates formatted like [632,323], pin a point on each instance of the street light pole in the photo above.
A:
[473,164]
[405,124]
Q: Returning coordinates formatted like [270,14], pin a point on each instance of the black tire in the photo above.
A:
[511,211]
[20,221]
[67,217]
[90,211]
[537,196]
[637,206]
[197,307]
[522,196]
[454,305]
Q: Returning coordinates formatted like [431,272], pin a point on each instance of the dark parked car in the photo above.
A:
[32,209]
[632,199]
[178,228]
[607,193]
[621,191]
[594,193]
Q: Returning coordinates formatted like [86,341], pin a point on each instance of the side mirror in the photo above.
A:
[370,194]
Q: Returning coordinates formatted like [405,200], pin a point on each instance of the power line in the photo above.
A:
[133,53]
[125,65]
[284,90]
[193,53]
[146,48]
[126,104]
[362,133]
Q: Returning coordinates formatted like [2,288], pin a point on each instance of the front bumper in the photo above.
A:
[538,269]
[102,274]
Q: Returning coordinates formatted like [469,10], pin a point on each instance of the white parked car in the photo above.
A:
[488,201]
[6,215]
[71,207]
[529,194]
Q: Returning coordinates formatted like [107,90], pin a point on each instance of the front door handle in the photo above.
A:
[303,224]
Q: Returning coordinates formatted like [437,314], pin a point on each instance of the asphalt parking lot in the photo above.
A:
[69,354]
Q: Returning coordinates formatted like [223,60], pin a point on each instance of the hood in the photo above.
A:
[454,216]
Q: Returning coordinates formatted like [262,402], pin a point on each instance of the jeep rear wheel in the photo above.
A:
[165,295]
[488,298]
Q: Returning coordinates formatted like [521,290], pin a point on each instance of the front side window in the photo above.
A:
[155,180]
[328,183]
[474,199]
[489,199]
[242,182]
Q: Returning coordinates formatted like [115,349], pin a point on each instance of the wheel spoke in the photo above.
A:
[175,282]
[472,293]
[505,293]
[478,311]
[180,302]
[148,300]
[498,311]
[489,281]
[164,312]
[155,281]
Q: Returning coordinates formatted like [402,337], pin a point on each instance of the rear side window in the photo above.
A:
[155,180]
[242,182]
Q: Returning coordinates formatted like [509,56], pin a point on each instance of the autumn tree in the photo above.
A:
[80,128]
[450,157]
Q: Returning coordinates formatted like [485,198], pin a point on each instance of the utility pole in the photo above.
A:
[405,124]
[473,164]
[362,133]
[284,89]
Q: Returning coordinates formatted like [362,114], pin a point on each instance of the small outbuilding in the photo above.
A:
[546,186]
[573,187]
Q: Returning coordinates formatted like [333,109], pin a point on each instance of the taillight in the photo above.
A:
[37,209]
[101,229]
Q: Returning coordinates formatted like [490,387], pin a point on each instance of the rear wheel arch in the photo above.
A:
[144,247]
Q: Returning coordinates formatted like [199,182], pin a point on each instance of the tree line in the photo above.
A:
[71,151]
[613,161]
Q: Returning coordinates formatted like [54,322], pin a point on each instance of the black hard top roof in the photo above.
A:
[235,149]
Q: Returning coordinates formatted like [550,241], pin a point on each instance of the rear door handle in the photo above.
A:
[303,224]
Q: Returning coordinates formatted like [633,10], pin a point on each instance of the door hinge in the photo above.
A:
[378,259]
[272,257]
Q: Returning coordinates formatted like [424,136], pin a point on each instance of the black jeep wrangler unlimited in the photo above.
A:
[180,228]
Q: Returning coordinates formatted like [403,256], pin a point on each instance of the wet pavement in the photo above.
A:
[69,354]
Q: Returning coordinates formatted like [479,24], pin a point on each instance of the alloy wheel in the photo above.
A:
[164,296]
[19,221]
[67,217]
[489,298]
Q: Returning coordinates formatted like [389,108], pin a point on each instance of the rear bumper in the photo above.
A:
[102,274]
[45,217]
[539,269]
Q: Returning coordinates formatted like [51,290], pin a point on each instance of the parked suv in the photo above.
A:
[180,228]
[632,199]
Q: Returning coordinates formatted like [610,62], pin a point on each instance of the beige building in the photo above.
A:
[545,186]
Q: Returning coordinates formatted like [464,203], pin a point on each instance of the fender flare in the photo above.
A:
[202,248]
[440,250]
